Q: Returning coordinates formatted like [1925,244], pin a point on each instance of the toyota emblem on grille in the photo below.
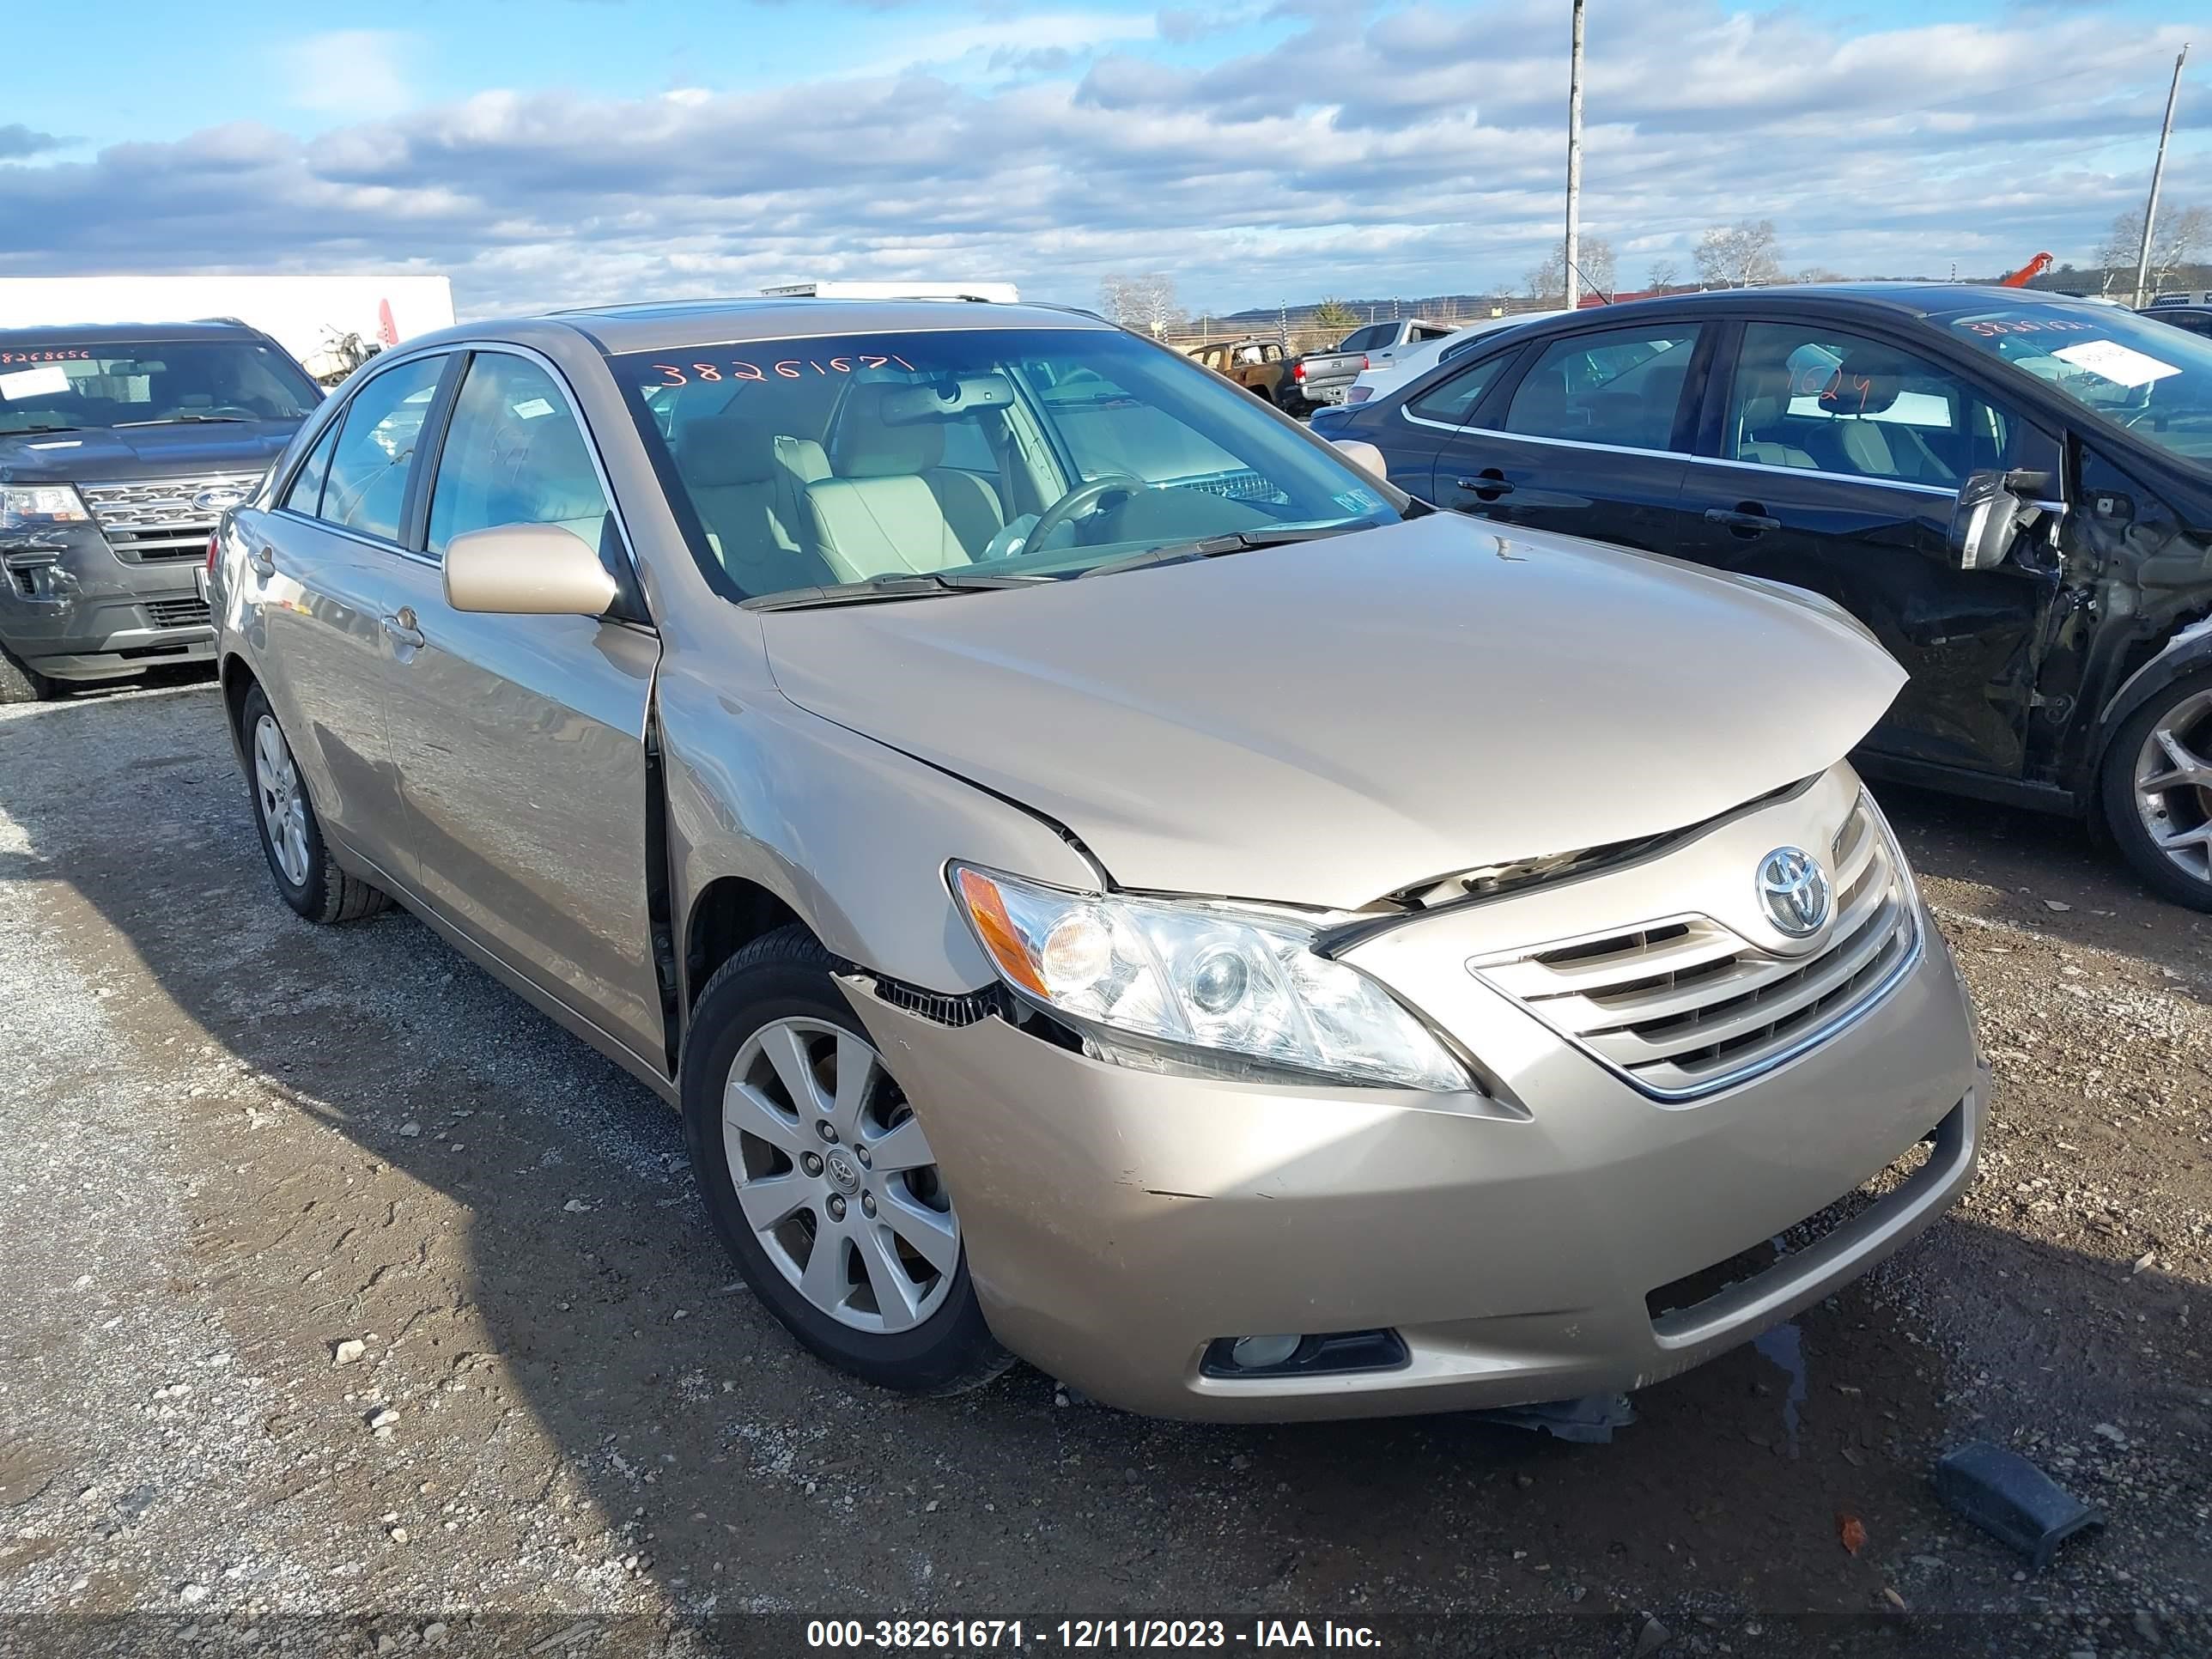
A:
[219,499]
[1794,891]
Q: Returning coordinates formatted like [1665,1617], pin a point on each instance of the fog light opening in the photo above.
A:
[1326,1353]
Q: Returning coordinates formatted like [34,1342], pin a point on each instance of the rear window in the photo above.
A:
[64,386]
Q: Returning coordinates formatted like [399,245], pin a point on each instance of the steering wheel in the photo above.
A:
[1084,498]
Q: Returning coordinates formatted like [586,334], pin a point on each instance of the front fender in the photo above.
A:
[851,834]
[2186,652]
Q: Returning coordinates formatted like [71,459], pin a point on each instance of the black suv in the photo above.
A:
[2011,490]
[119,448]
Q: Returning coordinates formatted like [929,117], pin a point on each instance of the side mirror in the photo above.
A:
[526,570]
[1362,455]
[1985,521]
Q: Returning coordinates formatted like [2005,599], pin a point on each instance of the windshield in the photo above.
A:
[969,454]
[2133,371]
[148,383]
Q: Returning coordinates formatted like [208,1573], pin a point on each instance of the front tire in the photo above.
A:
[20,683]
[819,1179]
[2156,786]
[307,877]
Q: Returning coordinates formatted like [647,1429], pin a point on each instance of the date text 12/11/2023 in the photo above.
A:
[957,1634]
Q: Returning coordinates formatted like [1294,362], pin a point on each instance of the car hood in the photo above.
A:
[95,455]
[1329,722]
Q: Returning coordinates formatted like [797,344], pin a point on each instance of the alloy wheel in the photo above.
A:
[283,804]
[835,1178]
[2173,785]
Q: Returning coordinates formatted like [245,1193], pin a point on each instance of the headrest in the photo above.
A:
[871,445]
[717,451]
[802,457]
[1867,383]
[1766,391]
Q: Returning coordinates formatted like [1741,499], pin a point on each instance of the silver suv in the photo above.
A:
[1103,878]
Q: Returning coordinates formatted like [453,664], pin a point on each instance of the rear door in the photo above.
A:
[1590,438]
[319,569]
[1427,420]
[1831,461]
[521,740]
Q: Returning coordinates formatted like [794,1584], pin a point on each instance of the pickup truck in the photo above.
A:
[1324,377]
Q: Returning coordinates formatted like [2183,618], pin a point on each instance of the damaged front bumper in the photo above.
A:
[72,610]
[1579,1226]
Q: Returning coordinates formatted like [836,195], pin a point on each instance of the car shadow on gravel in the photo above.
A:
[506,1221]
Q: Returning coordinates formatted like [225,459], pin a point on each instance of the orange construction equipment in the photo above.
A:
[2027,273]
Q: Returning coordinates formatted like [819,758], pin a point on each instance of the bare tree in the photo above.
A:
[1738,255]
[1663,274]
[1548,280]
[1145,303]
[2180,238]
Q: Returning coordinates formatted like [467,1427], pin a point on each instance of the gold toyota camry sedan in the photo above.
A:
[1104,876]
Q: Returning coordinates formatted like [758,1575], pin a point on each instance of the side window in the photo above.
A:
[1368,338]
[1453,399]
[513,454]
[367,485]
[305,494]
[1616,385]
[1811,396]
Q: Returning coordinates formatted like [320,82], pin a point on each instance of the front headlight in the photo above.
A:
[1186,974]
[36,507]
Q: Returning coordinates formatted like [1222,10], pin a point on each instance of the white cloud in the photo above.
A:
[345,72]
[1420,153]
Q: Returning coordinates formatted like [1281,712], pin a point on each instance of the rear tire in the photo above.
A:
[307,877]
[20,683]
[850,1285]
[2155,788]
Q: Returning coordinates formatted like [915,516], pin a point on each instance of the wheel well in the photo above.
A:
[730,914]
[237,680]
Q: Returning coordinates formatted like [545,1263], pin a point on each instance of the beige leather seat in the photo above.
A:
[892,508]
[1765,403]
[1865,387]
[746,499]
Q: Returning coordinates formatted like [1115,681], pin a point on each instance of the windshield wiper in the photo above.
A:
[191,420]
[1213,547]
[904,585]
[30,431]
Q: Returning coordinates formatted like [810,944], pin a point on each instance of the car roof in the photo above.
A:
[98,334]
[663,325]
[1902,299]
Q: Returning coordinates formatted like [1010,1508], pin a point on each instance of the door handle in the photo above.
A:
[261,558]
[1746,519]
[402,630]
[1490,484]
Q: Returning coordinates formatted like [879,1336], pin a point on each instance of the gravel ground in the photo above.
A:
[349,1306]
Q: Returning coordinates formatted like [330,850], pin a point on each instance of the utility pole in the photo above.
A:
[1574,161]
[2157,171]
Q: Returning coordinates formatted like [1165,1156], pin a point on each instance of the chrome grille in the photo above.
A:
[187,612]
[152,520]
[1684,1007]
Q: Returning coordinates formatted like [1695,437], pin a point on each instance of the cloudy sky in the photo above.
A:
[545,151]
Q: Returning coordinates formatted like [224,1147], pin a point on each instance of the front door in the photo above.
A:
[320,563]
[1590,440]
[1836,468]
[521,740]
